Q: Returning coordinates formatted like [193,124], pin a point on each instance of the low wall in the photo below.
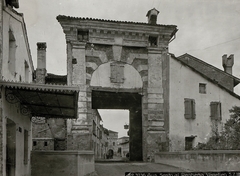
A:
[206,160]
[62,163]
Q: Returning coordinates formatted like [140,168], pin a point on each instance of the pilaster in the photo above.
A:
[155,103]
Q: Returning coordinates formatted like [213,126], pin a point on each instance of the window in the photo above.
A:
[153,40]
[113,143]
[94,128]
[216,111]
[189,143]
[82,35]
[26,71]
[189,108]
[26,146]
[202,88]
[45,143]
[34,143]
[100,135]
[12,53]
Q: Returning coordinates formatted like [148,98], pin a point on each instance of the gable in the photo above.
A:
[208,77]
[222,78]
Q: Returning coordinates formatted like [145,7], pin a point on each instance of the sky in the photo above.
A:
[208,29]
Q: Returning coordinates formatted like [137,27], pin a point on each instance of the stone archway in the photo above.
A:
[125,94]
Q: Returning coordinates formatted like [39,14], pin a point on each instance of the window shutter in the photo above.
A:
[193,109]
[187,105]
[219,115]
[216,110]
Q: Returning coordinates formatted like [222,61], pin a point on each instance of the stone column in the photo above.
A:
[155,131]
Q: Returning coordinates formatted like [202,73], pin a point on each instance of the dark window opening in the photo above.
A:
[216,111]
[45,143]
[26,71]
[34,143]
[202,88]
[12,53]
[189,106]
[74,61]
[82,35]
[153,41]
[113,143]
[189,143]
[94,128]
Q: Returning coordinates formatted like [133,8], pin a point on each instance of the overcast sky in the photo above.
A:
[207,28]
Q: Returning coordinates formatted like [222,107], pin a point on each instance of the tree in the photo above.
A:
[229,138]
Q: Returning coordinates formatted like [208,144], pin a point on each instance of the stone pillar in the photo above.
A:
[41,63]
[79,137]
[155,131]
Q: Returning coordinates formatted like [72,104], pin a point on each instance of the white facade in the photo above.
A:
[184,83]
[16,66]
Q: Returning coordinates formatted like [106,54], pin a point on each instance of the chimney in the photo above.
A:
[227,63]
[41,62]
[152,16]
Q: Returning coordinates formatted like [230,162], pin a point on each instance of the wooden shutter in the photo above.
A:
[189,105]
[193,109]
[216,112]
[117,72]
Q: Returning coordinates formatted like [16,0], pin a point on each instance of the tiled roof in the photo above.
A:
[63,17]
[40,87]
[209,72]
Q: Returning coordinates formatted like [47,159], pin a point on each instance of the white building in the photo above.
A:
[200,97]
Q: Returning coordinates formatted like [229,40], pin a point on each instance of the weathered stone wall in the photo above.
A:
[62,163]
[203,161]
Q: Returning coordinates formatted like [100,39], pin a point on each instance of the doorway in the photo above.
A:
[131,102]
[11,148]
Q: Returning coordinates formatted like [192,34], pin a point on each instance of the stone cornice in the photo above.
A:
[117,26]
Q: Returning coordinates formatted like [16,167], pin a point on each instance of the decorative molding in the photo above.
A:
[10,97]
[25,110]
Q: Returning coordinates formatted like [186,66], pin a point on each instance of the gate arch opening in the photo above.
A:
[126,94]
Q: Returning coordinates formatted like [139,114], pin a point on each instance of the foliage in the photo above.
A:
[229,138]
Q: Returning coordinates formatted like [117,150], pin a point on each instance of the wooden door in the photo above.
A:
[11,148]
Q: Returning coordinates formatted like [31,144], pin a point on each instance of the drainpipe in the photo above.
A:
[174,36]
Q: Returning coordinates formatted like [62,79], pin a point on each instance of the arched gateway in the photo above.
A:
[120,65]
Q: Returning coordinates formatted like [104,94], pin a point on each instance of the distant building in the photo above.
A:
[123,146]
[113,141]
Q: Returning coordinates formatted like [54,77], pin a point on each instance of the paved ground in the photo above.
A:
[119,168]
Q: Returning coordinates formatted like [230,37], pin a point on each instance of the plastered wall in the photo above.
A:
[184,83]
